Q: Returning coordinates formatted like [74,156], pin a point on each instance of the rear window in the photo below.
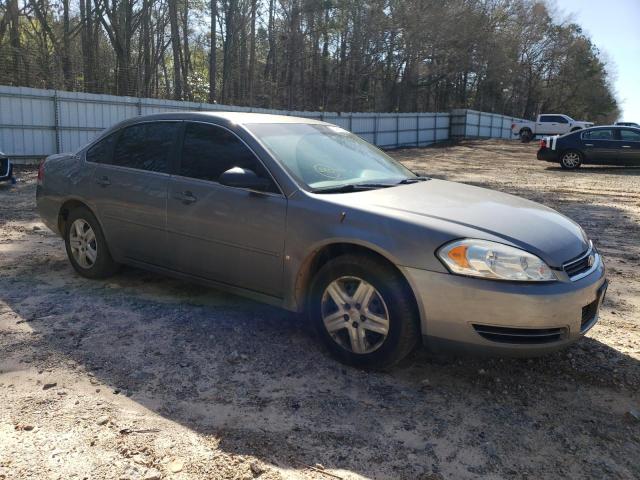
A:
[601,134]
[146,146]
[630,135]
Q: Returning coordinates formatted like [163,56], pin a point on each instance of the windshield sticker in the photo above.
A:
[327,171]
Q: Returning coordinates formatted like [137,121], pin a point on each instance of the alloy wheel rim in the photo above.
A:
[571,159]
[355,315]
[82,240]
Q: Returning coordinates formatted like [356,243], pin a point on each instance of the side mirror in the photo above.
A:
[244,178]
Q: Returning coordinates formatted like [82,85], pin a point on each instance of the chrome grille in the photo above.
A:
[582,265]
[577,267]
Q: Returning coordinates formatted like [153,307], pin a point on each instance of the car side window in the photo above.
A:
[560,119]
[209,151]
[598,135]
[630,135]
[146,146]
[102,151]
[546,118]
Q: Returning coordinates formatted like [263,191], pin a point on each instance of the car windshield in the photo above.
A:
[326,157]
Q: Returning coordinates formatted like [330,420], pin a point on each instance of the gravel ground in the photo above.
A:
[147,377]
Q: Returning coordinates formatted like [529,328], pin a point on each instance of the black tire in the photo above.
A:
[404,325]
[568,159]
[104,265]
[526,135]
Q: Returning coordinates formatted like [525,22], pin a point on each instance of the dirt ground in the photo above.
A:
[147,377]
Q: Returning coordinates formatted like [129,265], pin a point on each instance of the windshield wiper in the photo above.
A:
[408,181]
[353,187]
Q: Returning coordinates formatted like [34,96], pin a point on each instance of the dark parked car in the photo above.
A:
[612,145]
[305,215]
[6,169]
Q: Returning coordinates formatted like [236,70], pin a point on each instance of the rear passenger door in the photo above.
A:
[630,146]
[130,190]
[227,234]
[600,145]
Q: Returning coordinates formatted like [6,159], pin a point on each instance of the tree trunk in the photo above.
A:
[229,47]
[67,74]
[186,57]
[213,55]
[270,73]
[252,52]
[14,40]
[175,46]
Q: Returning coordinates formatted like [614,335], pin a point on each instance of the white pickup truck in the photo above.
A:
[547,124]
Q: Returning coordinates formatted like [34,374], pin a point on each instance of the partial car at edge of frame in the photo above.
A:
[606,145]
[304,215]
[6,169]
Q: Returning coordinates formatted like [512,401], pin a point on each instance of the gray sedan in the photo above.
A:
[307,216]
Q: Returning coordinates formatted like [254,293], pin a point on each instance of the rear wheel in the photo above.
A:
[571,160]
[364,313]
[86,246]
[526,135]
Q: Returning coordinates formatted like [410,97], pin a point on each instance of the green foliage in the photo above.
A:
[505,56]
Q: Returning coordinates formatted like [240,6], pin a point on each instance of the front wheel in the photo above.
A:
[86,246]
[363,311]
[571,160]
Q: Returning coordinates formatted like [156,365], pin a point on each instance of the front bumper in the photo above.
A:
[457,312]
[548,155]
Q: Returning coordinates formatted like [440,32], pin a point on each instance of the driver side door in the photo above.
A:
[599,145]
[226,234]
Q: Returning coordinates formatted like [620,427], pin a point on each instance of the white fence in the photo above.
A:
[474,124]
[36,123]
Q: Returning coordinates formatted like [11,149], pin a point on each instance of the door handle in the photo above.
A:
[588,144]
[626,146]
[186,197]
[103,181]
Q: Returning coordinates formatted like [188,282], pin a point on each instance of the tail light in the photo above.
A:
[513,125]
[543,143]
[41,172]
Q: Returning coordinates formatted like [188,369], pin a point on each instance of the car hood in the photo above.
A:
[461,210]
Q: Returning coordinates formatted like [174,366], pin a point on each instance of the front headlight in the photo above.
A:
[481,258]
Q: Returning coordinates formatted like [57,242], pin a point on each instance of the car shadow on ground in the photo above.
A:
[254,378]
[592,169]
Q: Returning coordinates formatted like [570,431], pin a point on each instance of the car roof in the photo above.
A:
[225,119]
[609,126]
[238,118]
